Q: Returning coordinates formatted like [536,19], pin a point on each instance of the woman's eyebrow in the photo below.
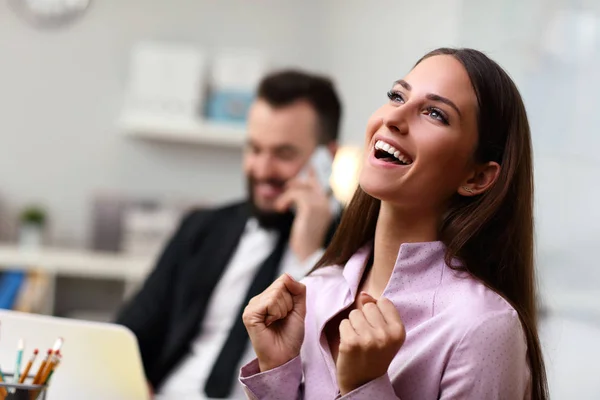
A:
[404,84]
[430,96]
[435,97]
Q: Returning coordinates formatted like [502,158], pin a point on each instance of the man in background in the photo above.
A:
[187,316]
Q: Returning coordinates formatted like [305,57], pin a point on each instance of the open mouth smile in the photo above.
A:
[386,152]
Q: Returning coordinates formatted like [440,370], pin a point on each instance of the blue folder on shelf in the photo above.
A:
[10,284]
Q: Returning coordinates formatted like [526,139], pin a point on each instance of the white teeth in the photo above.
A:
[381,145]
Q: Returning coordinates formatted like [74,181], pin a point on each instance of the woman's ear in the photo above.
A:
[481,179]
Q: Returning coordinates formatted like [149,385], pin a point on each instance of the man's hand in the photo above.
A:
[313,214]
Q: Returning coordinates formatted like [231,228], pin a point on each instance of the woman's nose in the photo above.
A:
[396,119]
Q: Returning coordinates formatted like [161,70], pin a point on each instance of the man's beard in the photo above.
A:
[280,221]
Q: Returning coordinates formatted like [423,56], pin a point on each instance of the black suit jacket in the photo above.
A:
[166,313]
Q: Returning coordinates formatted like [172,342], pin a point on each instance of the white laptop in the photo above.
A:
[99,361]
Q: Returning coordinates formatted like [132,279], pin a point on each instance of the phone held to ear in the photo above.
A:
[321,162]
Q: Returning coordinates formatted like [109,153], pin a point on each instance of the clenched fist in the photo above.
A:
[370,338]
[275,322]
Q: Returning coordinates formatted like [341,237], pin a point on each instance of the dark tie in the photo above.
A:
[225,370]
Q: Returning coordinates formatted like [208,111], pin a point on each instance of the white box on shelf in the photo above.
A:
[167,78]
[147,229]
[234,77]
[237,69]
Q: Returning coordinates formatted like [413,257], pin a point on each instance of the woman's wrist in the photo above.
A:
[267,365]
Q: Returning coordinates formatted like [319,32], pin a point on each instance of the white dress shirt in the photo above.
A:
[187,380]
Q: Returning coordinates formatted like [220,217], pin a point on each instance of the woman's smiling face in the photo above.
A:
[420,144]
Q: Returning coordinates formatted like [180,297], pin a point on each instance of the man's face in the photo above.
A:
[280,142]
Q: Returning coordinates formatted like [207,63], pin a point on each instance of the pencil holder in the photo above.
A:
[21,391]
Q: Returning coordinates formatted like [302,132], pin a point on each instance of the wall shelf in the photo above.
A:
[76,278]
[182,130]
[78,263]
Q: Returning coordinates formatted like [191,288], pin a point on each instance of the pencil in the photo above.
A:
[50,367]
[42,367]
[47,381]
[3,391]
[20,348]
[28,366]
[57,345]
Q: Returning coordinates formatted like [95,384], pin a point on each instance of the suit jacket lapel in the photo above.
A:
[209,262]
[199,278]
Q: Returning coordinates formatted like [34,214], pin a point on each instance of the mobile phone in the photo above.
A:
[321,161]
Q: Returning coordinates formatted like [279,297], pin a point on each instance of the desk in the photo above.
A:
[89,265]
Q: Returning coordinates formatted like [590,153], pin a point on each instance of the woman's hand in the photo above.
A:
[369,340]
[275,322]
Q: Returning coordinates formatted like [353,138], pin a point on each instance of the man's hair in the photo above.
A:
[282,88]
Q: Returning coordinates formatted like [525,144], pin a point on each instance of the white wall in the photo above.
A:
[553,51]
[556,67]
[60,94]
[371,46]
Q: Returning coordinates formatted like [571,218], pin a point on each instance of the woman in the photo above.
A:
[441,233]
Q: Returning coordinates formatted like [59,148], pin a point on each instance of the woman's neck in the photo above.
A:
[393,228]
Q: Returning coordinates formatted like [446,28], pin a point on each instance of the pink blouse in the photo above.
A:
[463,341]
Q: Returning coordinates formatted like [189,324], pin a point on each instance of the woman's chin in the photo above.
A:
[380,192]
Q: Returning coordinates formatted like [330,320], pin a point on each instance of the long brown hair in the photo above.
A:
[490,234]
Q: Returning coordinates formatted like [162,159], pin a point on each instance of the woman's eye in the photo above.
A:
[396,97]
[438,114]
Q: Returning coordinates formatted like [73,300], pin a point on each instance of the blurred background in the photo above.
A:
[118,115]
